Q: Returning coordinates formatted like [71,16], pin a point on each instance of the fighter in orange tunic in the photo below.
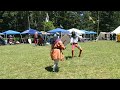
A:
[56,52]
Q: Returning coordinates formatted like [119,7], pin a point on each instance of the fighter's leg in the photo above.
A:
[73,47]
[55,66]
[79,49]
[35,41]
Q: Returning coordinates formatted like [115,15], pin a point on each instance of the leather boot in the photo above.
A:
[80,53]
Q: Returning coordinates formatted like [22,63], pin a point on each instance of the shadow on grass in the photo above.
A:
[68,57]
[49,68]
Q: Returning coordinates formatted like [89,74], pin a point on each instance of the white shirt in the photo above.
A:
[75,40]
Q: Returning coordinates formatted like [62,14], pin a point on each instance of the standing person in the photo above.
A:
[29,39]
[56,52]
[74,42]
[36,38]
[41,41]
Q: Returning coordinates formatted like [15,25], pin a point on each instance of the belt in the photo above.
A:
[74,43]
[55,48]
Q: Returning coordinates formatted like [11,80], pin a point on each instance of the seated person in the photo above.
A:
[10,40]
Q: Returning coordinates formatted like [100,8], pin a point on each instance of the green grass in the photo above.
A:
[99,60]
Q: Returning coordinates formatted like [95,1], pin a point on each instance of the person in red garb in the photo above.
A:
[74,43]
[36,38]
[41,41]
[56,52]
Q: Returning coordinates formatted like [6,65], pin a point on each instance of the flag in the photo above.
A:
[61,26]
[29,22]
[47,17]
[93,21]
[81,14]
[90,18]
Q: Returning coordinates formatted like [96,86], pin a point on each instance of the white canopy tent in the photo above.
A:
[79,32]
[117,30]
[104,36]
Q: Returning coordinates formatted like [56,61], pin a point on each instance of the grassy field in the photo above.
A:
[99,60]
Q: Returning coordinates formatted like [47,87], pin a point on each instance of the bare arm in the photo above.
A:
[61,45]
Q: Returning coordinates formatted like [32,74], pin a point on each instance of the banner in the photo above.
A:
[47,17]
[90,18]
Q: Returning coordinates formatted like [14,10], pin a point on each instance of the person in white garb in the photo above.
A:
[74,42]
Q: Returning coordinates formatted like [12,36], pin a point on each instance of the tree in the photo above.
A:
[48,26]
[18,20]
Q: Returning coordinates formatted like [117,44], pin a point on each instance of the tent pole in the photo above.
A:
[98,24]
[6,39]
[21,36]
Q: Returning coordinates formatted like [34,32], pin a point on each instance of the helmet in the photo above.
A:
[73,34]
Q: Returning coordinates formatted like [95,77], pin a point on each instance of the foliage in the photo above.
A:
[48,26]
[22,20]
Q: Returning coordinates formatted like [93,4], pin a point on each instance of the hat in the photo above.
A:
[10,35]
[57,33]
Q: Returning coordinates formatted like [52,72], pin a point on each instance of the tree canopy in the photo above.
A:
[88,20]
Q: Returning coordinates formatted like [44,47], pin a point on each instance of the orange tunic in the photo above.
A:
[56,51]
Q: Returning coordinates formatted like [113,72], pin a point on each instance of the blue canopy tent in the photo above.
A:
[86,32]
[8,32]
[30,31]
[92,35]
[92,32]
[1,34]
[59,30]
[89,33]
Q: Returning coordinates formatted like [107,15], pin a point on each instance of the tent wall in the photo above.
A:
[104,36]
[117,30]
